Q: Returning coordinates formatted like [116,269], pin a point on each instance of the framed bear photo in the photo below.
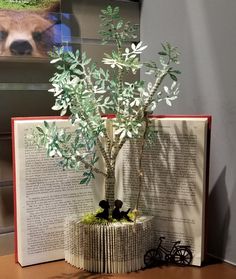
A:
[29,28]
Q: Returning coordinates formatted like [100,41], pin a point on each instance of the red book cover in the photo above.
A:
[14,167]
[110,116]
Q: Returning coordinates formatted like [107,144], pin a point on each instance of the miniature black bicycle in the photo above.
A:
[178,254]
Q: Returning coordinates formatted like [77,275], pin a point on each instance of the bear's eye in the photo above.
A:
[37,36]
[3,35]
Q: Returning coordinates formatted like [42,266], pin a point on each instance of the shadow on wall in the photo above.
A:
[218,218]
[175,163]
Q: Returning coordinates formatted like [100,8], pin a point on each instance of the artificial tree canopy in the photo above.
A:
[85,92]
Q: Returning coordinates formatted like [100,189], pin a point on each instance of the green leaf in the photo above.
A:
[176,72]
[56,107]
[46,124]
[84,180]
[173,77]
[119,24]
[40,130]
[78,72]
[168,102]
[95,160]
[63,112]
[116,10]
[68,137]
[53,61]
[103,12]
[164,47]
[109,10]
[162,53]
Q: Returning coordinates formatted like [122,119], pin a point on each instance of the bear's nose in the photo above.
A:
[21,47]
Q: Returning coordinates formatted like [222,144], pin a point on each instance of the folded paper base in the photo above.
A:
[114,248]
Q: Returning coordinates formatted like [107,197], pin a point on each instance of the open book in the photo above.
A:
[174,187]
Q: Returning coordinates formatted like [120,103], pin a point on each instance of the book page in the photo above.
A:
[45,195]
[173,186]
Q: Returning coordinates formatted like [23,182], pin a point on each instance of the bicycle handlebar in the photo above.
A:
[175,242]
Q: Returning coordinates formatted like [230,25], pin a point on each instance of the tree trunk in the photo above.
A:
[110,186]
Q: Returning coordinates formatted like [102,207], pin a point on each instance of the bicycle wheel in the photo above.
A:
[182,256]
[152,257]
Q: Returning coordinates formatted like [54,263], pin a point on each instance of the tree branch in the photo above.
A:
[90,166]
[140,174]
[90,84]
[156,85]
[118,148]
[100,145]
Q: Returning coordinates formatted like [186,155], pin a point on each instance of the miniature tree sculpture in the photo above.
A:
[86,92]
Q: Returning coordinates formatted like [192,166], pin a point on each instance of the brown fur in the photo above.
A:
[27,27]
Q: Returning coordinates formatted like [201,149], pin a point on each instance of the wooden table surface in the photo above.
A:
[61,270]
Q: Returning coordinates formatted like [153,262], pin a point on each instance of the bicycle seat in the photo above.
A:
[176,242]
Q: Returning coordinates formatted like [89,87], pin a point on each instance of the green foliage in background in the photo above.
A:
[26,4]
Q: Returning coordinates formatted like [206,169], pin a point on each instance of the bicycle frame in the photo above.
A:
[178,254]
[166,251]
